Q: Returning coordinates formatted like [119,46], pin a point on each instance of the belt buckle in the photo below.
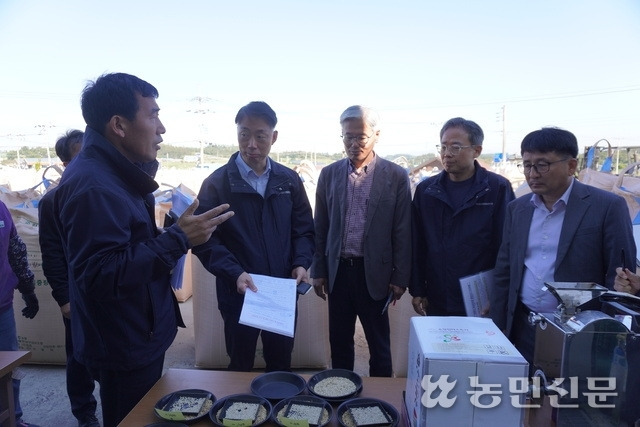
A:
[348,261]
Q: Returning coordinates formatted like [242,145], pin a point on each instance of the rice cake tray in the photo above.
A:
[315,410]
[185,405]
[241,407]
[367,412]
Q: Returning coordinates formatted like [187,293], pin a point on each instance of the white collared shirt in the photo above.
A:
[259,183]
[542,251]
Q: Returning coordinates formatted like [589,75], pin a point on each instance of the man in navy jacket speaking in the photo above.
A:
[125,314]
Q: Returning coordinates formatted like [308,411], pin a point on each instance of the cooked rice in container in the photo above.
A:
[335,387]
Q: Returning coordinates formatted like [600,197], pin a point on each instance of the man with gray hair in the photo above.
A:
[457,218]
[363,242]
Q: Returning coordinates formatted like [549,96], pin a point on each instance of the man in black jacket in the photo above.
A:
[125,314]
[271,235]
[80,384]
[457,220]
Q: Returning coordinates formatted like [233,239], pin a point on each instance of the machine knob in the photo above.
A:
[535,318]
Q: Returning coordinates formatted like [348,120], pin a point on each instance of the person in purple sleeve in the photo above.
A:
[14,274]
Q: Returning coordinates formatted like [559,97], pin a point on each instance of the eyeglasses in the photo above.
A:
[245,136]
[453,149]
[540,167]
[361,139]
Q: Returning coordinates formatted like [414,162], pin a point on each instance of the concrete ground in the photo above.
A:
[43,392]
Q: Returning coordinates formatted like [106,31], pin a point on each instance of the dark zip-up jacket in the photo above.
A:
[54,264]
[268,236]
[124,312]
[449,244]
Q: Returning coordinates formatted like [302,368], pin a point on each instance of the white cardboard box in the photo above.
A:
[462,347]
[43,335]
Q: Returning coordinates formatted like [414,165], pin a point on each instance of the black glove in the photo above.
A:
[32,307]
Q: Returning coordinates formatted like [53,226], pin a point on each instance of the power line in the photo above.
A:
[575,94]
[38,95]
[532,98]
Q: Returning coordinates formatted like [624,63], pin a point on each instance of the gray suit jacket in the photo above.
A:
[596,228]
[387,236]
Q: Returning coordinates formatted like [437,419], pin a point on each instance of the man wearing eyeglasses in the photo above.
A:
[457,219]
[565,231]
[363,242]
[272,234]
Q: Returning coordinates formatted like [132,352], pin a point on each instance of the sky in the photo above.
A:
[512,66]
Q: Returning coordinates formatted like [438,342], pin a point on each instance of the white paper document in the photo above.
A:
[273,307]
[475,292]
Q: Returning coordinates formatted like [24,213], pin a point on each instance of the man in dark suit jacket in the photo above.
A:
[363,242]
[565,232]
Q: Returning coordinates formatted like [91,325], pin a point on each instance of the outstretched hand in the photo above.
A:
[199,228]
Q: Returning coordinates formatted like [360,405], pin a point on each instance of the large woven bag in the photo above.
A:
[628,187]
[592,158]
[591,175]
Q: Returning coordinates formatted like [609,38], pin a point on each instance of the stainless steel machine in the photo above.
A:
[587,355]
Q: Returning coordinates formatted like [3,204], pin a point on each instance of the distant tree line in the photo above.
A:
[174,152]
[219,152]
